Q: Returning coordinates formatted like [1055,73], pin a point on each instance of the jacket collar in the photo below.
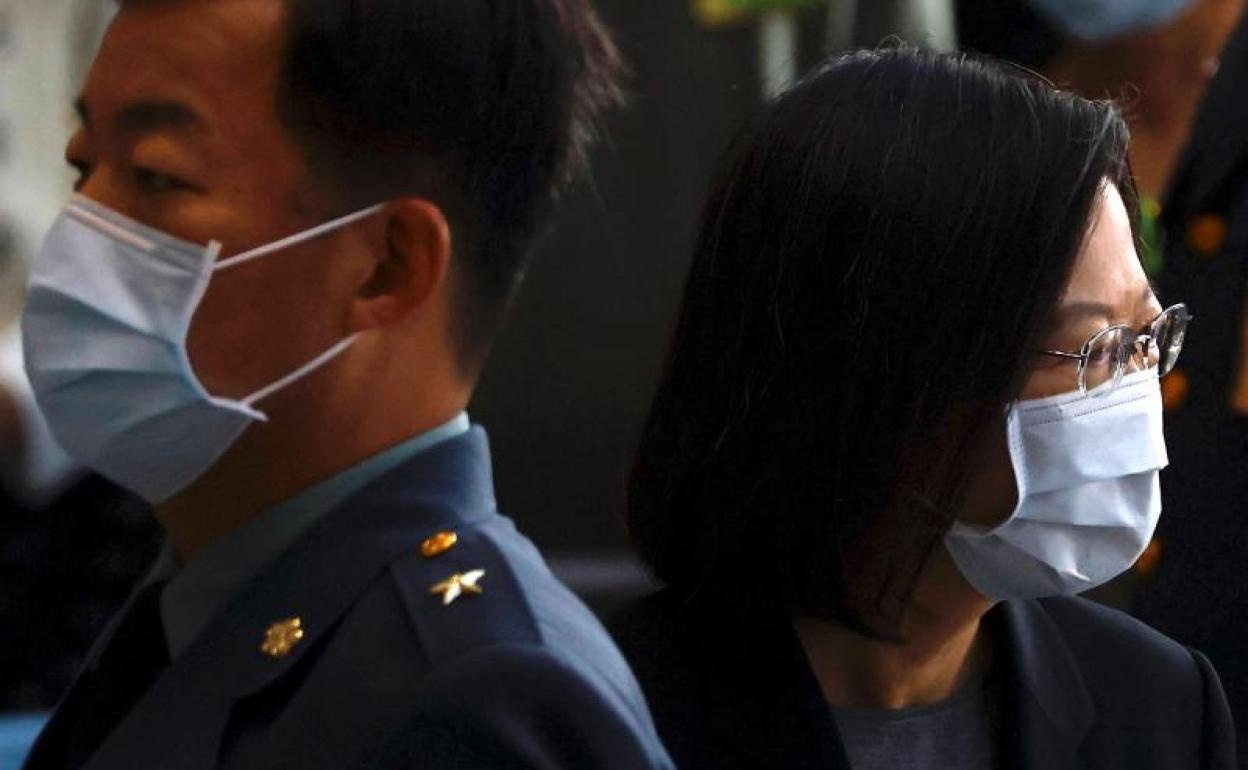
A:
[1050,708]
[317,580]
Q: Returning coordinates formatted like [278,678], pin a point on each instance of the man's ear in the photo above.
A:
[411,267]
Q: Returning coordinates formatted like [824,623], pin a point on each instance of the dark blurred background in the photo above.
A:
[574,370]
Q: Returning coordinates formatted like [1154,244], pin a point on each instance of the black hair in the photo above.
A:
[875,264]
[486,106]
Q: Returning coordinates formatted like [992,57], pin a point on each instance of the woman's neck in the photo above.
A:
[945,645]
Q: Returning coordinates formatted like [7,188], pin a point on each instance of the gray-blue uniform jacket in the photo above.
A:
[345,653]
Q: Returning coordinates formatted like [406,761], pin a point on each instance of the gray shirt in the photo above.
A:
[959,732]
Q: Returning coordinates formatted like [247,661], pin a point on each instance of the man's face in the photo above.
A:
[180,131]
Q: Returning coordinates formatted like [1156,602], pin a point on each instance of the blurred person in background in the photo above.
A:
[1198,590]
[1156,57]
[912,406]
[1183,89]
[296,229]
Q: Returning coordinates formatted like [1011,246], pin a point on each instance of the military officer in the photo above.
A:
[296,228]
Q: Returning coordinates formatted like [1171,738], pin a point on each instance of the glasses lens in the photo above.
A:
[1169,331]
[1108,353]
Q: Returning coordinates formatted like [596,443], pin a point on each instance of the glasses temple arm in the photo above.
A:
[1062,354]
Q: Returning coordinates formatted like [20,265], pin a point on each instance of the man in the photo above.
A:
[298,225]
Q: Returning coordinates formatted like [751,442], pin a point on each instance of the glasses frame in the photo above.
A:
[1139,346]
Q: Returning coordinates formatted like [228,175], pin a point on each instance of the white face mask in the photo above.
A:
[104,334]
[1088,494]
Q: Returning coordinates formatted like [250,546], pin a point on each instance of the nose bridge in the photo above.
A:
[106,186]
[1144,352]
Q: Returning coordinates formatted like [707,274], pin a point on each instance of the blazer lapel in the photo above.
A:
[1050,710]
[757,703]
[803,716]
[183,719]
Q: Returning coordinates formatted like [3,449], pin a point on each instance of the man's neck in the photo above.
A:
[291,452]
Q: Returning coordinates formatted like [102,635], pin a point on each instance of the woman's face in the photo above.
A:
[1107,286]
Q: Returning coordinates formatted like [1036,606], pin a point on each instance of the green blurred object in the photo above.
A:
[1151,240]
[717,13]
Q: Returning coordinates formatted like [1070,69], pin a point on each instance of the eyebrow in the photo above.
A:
[1098,309]
[148,116]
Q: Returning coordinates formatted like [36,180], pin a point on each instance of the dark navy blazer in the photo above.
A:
[520,676]
[1086,687]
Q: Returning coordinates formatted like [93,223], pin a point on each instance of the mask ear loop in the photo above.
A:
[297,238]
[302,371]
[279,245]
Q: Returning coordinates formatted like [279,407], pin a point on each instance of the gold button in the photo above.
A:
[1150,560]
[1174,389]
[438,544]
[1206,234]
[282,637]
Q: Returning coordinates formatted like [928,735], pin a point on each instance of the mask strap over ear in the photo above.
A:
[297,238]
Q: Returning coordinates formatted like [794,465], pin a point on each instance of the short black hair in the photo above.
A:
[876,262]
[486,106]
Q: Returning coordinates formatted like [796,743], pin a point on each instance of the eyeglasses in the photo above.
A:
[1104,358]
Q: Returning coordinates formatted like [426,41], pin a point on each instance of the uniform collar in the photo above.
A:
[198,591]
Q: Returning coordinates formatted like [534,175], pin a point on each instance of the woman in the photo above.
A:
[912,404]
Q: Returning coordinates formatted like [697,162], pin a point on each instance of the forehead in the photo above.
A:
[1108,267]
[216,54]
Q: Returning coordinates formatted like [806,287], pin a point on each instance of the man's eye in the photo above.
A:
[154,181]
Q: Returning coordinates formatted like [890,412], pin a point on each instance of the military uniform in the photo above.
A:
[411,626]
[1193,587]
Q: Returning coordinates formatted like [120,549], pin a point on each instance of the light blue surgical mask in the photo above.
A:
[104,333]
[1094,20]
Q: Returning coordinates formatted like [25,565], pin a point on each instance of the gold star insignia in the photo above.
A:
[457,585]
[282,637]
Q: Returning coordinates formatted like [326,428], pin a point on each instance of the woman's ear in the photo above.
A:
[411,267]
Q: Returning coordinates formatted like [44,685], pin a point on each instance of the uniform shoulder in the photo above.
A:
[512,622]
[461,592]
[485,584]
[520,704]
